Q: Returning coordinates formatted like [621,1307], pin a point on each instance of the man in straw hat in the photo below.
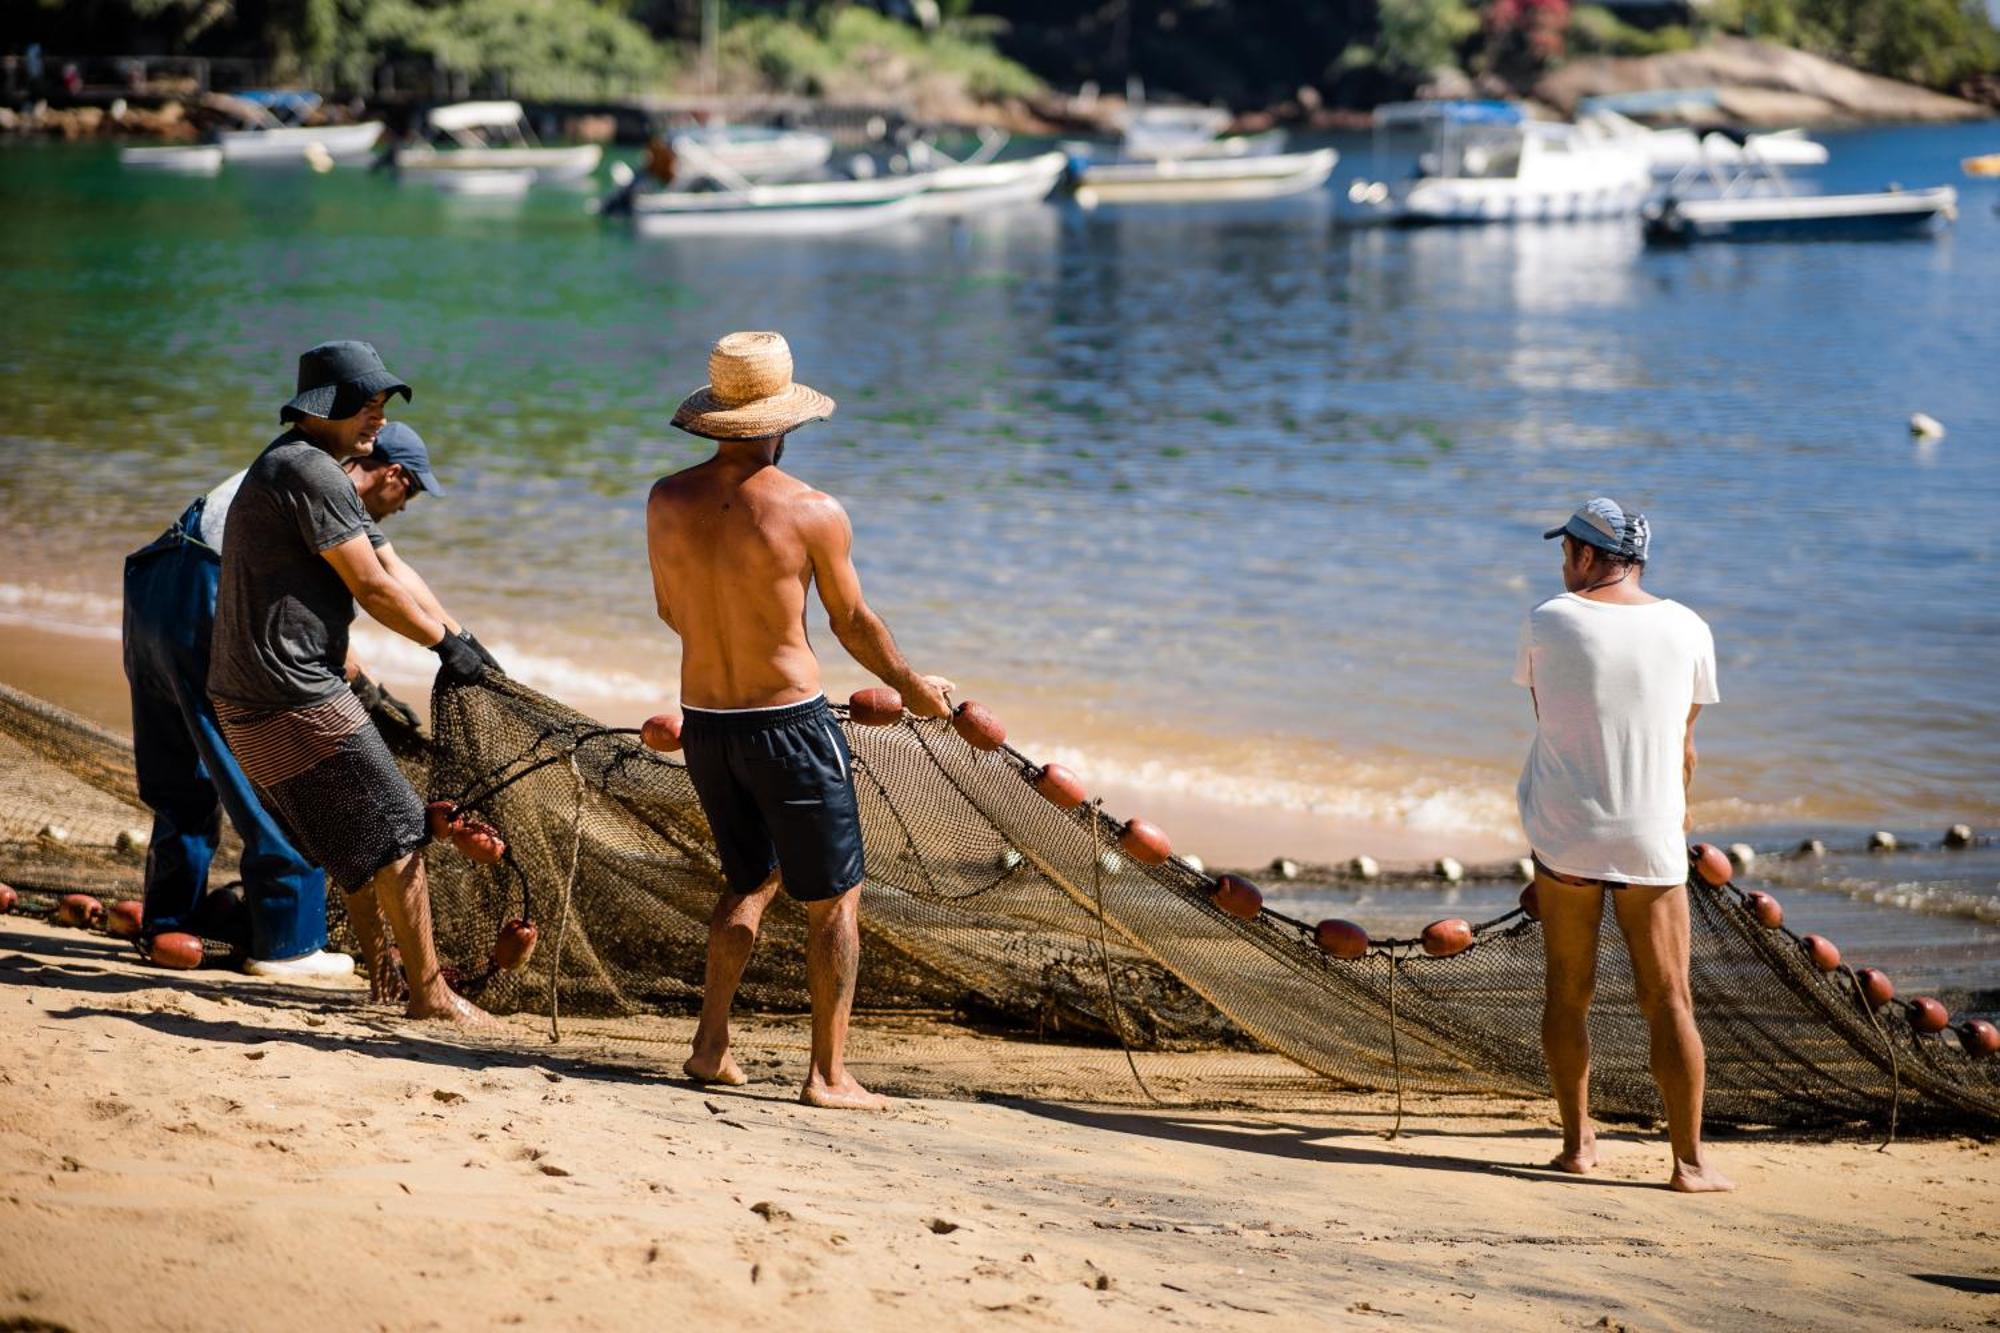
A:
[299,551]
[734,544]
[1617,677]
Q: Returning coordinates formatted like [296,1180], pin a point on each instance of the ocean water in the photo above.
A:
[1238,503]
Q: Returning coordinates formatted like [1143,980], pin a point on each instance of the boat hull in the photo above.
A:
[959,191]
[1202,180]
[745,219]
[189,160]
[292,142]
[549,165]
[1441,203]
[1804,217]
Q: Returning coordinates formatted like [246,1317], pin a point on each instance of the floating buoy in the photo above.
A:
[514,946]
[1531,902]
[176,949]
[1821,951]
[1364,867]
[1979,1037]
[1881,840]
[79,911]
[1448,869]
[441,816]
[1924,426]
[876,706]
[126,919]
[133,841]
[1524,869]
[1958,837]
[1060,787]
[1811,847]
[1145,843]
[1876,988]
[977,726]
[1927,1015]
[1766,909]
[478,842]
[1742,856]
[1238,897]
[662,732]
[1712,864]
[1340,939]
[1444,938]
[1285,868]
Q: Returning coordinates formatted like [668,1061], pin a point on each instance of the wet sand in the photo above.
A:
[201,1150]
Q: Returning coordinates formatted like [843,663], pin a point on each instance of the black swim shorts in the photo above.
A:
[777,785]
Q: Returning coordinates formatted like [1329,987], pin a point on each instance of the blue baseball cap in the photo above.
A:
[399,444]
[1603,523]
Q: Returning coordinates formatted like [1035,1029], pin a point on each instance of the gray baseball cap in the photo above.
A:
[399,444]
[1603,523]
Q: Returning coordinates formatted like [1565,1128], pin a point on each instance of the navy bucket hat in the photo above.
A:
[1603,523]
[337,378]
[399,444]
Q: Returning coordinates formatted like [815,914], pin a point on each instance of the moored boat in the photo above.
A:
[979,186]
[185,159]
[755,153]
[1675,148]
[1197,179]
[278,135]
[492,136]
[1795,217]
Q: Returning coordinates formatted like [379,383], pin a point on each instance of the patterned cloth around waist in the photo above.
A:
[274,747]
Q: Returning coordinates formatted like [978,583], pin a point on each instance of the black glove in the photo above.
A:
[480,648]
[461,664]
[377,700]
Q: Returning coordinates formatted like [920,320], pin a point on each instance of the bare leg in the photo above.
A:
[384,963]
[1655,924]
[732,933]
[1570,918]
[405,897]
[833,960]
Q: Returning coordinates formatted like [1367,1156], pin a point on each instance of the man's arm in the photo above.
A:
[656,519]
[830,539]
[381,595]
[414,584]
[1687,766]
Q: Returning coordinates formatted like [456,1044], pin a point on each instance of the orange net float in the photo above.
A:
[977,727]
[1712,864]
[1531,902]
[8,899]
[1927,1015]
[1340,939]
[1060,787]
[1821,951]
[1444,938]
[1238,897]
[1766,909]
[662,732]
[876,706]
[176,949]
[1979,1038]
[1876,988]
[514,946]
[1145,843]
[79,911]
[478,842]
[126,919]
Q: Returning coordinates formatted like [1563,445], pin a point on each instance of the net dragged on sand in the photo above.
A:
[986,899]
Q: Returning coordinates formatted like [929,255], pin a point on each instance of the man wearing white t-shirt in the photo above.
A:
[1617,677]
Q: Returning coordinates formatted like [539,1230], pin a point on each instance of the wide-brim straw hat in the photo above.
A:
[750,393]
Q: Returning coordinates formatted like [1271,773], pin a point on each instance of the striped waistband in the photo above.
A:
[275,747]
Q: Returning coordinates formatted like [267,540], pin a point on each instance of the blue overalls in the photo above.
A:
[185,767]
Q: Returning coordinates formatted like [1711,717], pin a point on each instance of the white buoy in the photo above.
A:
[1285,868]
[1926,427]
[1449,870]
[1195,863]
[1958,836]
[53,833]
[1881,840]
[318,158]
[134,840]
[1364,867]
[1525,868]
[1742,855]
[1812,847]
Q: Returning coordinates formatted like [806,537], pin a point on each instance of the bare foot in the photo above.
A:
[724,1071]
[846,1095]
[1580,1160]
[454,1009]
[1699,1180]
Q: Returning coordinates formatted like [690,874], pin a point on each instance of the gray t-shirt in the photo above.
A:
[282,611]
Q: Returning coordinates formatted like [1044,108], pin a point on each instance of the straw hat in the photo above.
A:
[750,393]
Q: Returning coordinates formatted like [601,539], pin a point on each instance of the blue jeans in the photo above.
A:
[187,776]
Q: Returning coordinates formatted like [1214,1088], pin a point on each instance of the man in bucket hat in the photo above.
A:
[299,552]
[1617,677]
[734,544]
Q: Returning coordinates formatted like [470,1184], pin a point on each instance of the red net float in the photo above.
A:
[1927,1015]
[79,911]
[175,949]
[876,706]
[1060,787]
[515,945]
[977,726]
[1979,1037]
[8,899]
[1531,903]
[1444,938]
[1712,864]
[478,842]
[1238,897]
[125,919]
[1876,988]
[661,732]
[442,817]
[1821,951]
[1145,843]
[1765,908]
[1341,939]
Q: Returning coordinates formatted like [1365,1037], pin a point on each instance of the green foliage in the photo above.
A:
[1938,43]
[1417,36]
[1595,30]
[851,50]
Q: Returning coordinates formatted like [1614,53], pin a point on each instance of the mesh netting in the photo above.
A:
[987,901]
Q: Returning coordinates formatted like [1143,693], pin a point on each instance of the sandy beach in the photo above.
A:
[196,1151]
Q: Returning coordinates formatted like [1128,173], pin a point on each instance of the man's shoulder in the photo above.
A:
[289,462]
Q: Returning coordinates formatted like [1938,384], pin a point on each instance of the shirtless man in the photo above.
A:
[735,544]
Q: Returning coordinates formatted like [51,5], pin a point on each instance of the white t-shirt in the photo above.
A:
[1602,794]
[215,511]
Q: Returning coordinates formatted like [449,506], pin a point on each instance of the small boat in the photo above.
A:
[1171,131]
[490,136]
[1197,179]
[182,159]
[754,153]
[277,134]
[741,208]
[976,187]
[1672,150]
[1757,203]
[490,183]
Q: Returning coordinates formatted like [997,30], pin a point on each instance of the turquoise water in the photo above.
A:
[1234,501]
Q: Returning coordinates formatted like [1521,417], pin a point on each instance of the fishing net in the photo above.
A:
[987,901]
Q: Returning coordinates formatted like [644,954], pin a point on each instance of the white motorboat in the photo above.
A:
[1671,151]
[977,187]
[746,209]
[1757,203]
[492,136]
[277,134]
[1171,131]
[1198,179]
[183,159]
[1488,163]
[755,153]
